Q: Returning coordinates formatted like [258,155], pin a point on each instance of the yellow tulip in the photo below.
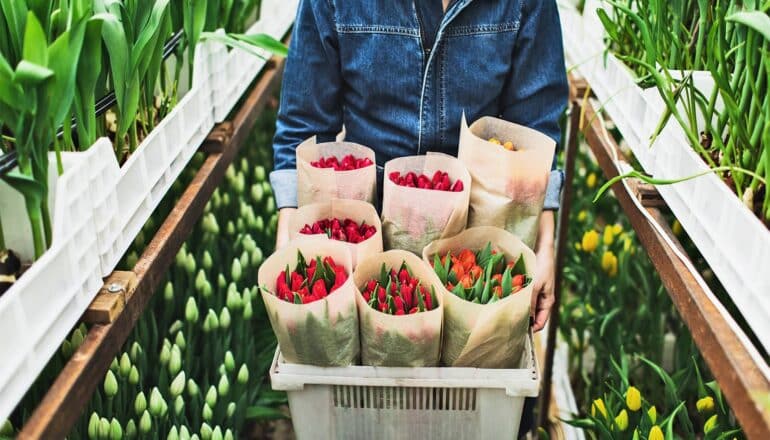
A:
[582,216]
[633,398]
[598,405]
[591,180]
[609,235]
[676,228]
[590,240]
[711,423]
[652,413]
[621,421]
[655,433]
[705,405]
[610,263]
[617,228]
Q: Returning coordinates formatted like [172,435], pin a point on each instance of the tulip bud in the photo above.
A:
[200,280]
[145,423]
[156,403]
[175,363]
[116,431]
[165,354]
[230,228]
[710,424]
[217,433]
[652,413]
[211,396]
[191,310]
[224,318]
[224,386]
[705,405]
[243,375]
[110,384]
[135,352]
[192,388]
[259,173]
[181,257]
[211,323]
[233,300]
[633,399]
[221,281]
[66,349]
[131,429]
[104,428]
[206,431]
[229,361]
[256,257]
[207,413]
[133,376]
[207,261]
[244,260]
[184,434]
[177,385]
[270,204]
[173,434]
[179,405]
[93,426]
[259,223]
[168,291]
[621,421]
[140,403]
[222,370]
[248,243]
[257,193]
[124,366]
[229,435]
[655,433]
[230,409]
[180,341]
[189,264]
[248,311]
[598,406]
[114,365]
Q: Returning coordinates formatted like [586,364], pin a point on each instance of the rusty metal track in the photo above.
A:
[65,400]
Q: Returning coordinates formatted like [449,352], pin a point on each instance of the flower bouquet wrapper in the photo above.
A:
[323,184]
[413,217]
[485,335]
[324,332]
[357,210]
[399,340]
[509,187]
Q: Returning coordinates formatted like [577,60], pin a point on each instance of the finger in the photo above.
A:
[541,318]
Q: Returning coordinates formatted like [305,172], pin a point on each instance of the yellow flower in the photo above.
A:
[610,264]
[705,405]
[582,215]
[633,398]
[652,413]
[655,433]
[590,309]
[495,141]
[711,423]
[598,405]
[609,236]
[591,180]
[621,421]
[628,245]
[676,228]
[578,246]
[590,240]
[617,228]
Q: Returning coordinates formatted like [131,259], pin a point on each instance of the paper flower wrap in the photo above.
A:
[485,335]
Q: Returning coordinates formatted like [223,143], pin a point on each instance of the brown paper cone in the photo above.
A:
[509,187]
[485,335]
[342,209]
[323,184]
[405,340]
[324,332]
[413,217]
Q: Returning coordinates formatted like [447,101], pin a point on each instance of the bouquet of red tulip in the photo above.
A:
[341,170]
[411,218]
[359,231]
[488,292]
[509,183]
[311,306]
[400,310]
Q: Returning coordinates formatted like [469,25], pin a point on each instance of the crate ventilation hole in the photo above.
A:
[448,399]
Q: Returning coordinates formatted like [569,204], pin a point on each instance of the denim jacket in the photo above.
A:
[377,67]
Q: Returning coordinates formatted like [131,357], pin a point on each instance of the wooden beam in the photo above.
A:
[111,299]
[65,400]
[737,367]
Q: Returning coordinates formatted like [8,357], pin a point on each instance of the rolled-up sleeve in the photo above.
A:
[310,94]
[537,89]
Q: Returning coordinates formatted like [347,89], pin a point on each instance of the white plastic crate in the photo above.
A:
[234,70]
[406,403]
[734,242]
[40,309]
[142,182]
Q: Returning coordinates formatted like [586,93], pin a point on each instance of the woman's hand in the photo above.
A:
[543,289]
[282,230]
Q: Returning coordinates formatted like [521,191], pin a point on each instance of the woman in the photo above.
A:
[399,74]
